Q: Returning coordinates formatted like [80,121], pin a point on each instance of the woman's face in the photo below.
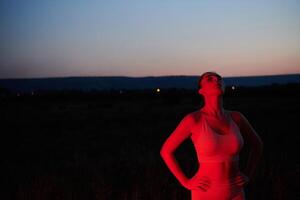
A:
[212,84]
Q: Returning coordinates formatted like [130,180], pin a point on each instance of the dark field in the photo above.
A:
[104,146]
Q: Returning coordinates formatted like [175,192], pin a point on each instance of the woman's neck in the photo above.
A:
[214,106]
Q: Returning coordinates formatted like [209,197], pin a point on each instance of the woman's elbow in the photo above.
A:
[162,153]
[259,146]
[165,152]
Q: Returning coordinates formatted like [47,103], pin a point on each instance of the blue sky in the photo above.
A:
[59,38]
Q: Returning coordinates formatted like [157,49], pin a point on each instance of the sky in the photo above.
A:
[63,38]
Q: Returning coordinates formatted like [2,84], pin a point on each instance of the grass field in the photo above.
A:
[106,146]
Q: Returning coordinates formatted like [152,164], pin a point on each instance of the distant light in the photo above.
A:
[157,90]
[233,87]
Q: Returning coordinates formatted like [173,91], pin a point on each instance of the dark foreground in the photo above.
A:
[106,145]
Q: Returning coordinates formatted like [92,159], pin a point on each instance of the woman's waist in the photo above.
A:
[230,182]
[219,171]
[218,158]
[221,179]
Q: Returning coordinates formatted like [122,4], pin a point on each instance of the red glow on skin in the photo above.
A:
[218,136]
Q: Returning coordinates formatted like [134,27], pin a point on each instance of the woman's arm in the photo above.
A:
[256,144]
[181,133]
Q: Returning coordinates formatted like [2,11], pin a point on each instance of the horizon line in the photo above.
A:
[150,76]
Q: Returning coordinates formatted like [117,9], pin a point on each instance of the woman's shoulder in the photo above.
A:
[193,117]
[235,113]
[237,116]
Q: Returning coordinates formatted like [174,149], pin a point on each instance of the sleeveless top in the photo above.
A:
[215,147]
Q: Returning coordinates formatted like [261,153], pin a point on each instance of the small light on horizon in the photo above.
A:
[157,90]
[233,87]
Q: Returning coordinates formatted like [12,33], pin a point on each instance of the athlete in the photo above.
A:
[218,136]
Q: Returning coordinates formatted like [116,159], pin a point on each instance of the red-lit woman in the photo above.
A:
[218,136]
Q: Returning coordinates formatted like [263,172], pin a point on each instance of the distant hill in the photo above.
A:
[108,83]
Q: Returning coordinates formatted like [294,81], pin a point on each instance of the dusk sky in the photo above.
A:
[58,38]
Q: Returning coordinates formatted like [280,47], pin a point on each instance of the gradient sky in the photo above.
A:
[58,38]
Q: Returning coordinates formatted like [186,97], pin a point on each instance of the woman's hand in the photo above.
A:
[196,183]
[242,179]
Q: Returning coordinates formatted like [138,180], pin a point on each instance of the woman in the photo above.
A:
[218,136]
